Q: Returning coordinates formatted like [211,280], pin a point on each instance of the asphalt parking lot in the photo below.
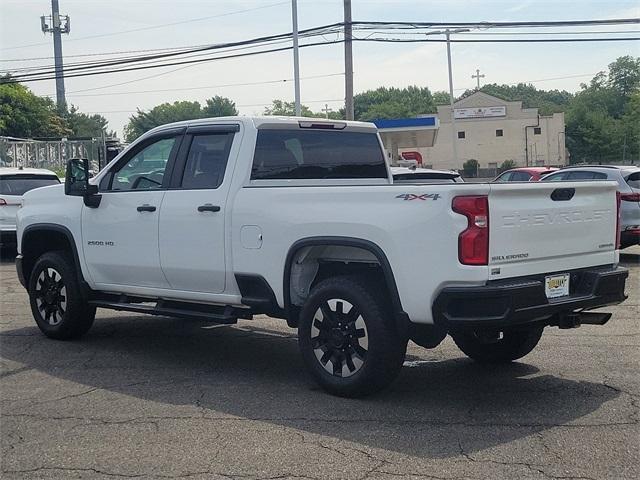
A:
[143,397]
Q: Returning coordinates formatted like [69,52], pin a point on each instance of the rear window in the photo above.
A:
[21,184]
[313,154]
[634,180]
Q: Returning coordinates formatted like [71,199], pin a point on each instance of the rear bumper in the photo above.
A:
[517,301]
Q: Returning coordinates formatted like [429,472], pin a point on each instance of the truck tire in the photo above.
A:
[58,303]
[513,345]
[348,338]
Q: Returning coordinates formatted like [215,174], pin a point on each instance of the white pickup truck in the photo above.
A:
[297,218]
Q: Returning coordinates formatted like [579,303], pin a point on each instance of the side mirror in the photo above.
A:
[76,182]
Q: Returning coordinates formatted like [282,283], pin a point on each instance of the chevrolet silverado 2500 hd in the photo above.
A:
[297,218]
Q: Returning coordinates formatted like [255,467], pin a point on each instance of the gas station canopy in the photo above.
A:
[417,132]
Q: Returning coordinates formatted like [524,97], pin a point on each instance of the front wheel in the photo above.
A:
[58,304]
[348,338]
[504,347]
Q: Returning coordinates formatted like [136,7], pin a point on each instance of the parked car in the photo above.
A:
[300,219]
[14,183]
[424,175]
[628,179]
[524,174]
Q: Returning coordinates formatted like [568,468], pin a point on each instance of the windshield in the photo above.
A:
[21,184]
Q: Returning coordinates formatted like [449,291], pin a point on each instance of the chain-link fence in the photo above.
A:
[51,154]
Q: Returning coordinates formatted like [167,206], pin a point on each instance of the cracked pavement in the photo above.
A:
[154,397]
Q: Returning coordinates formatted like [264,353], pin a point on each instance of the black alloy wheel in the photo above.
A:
[339,337]
[59,302]
[51,296]
[348,336]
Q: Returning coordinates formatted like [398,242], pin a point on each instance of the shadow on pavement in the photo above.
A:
[254,373]
[629,258]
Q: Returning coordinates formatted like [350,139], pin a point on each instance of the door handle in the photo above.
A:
[146,208]
[207,207]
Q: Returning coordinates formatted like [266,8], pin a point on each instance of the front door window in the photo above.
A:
[145,170]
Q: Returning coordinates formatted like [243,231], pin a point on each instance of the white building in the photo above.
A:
[491,130]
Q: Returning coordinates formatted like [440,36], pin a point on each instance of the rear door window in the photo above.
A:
[520,177]
[21,184]
[587,175]
[207,160]
[633,180]
[558,177]
[313,154]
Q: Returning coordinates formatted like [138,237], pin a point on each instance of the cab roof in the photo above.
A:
[268,121]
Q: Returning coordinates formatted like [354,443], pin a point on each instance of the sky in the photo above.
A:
[104,26]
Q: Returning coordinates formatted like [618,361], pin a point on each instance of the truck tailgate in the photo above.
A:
[551,227]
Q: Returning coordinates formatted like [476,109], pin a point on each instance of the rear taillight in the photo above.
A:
[3,201]
[630,197]
[618,199]
[473,242]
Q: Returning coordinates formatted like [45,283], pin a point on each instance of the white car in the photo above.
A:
[223,218]
[628,179]
[14,183]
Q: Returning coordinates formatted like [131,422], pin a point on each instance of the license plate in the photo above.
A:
[557,285]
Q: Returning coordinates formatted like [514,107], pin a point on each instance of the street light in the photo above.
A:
[454,133]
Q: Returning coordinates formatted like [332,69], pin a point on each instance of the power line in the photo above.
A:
[484,25]
[265,82]
[188,55]
[155,26]
[311,32]
[146,67]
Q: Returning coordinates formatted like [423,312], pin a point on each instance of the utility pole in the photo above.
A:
[57,25]
[454,132]
[326,110]
[348,61]
[296,57]
[477,76]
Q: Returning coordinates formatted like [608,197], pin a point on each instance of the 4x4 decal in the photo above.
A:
[424,196]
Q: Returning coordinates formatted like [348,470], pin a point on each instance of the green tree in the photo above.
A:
[161,114]
[175,112]
[441,98]
[507,165]
[385,102]
[602,119]
[219,107]
[24,114]
[547,101]
[470,168]
[83,125]
[288,109]
[630,129]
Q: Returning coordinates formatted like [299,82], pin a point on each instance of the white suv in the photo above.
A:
[628,178]
[15,182]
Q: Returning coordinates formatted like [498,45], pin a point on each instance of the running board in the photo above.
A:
[211,313]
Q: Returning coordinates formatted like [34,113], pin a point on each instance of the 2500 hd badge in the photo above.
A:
[100,243]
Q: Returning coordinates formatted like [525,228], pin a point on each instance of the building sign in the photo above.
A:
[480,112]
